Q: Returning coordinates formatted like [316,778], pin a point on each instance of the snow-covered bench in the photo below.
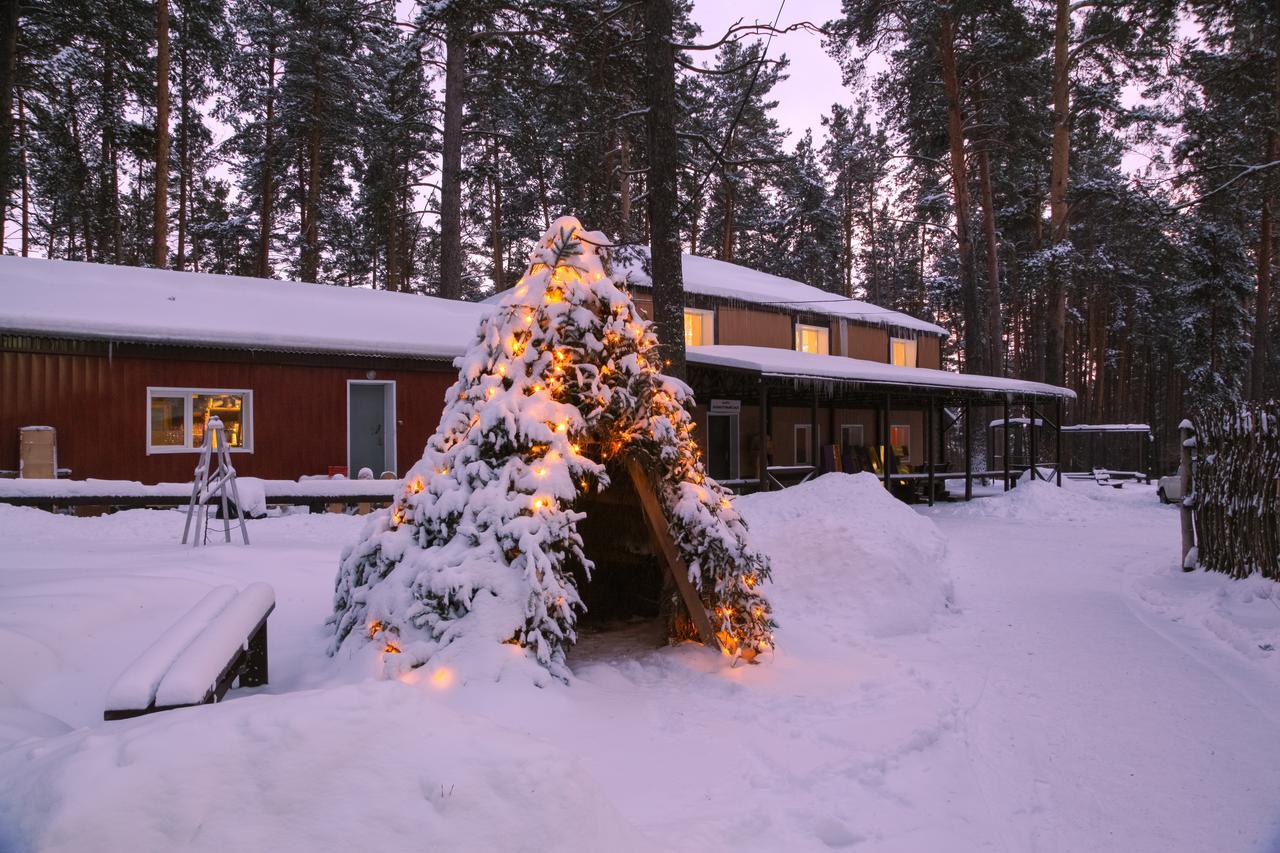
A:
[195,662]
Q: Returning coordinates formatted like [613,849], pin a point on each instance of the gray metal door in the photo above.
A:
[367,413]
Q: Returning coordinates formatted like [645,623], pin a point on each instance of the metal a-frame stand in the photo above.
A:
[213,485]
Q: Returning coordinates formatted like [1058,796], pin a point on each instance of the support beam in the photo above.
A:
[764,437]
[1035,458]
[814,438]
[1006,444]
[929,445]
[968,451]
[1058,452]
[888,441]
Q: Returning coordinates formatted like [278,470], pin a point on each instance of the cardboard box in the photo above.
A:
[37,453]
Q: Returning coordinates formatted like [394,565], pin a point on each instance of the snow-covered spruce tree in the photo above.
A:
[479,546]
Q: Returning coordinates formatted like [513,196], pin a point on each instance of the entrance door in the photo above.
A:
[722,447]
[371,427]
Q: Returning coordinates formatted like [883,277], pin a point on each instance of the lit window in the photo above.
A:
[902,352]
[815,339]
[176,418]
[699,327]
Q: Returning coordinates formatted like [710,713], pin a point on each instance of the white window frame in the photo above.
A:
[909,345]
[708,318]
[246,418]
[845,429]
[389,418]
[907,444]
[824,334]
[807,444]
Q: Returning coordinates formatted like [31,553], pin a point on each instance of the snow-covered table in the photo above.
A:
[128,493]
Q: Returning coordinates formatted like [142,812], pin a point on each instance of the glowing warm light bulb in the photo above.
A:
[490,392]
[442,678]
[374,627]
[416,486]
[391,648]
[540,472]
[563,426]
[574,448]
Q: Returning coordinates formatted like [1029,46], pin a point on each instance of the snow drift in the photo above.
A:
[842,539]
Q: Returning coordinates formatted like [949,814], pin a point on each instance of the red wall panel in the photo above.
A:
[99,406]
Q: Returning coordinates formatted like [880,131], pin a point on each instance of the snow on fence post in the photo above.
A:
[1237,508]
[1187,433]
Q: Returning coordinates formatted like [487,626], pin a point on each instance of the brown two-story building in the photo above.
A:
[127,363]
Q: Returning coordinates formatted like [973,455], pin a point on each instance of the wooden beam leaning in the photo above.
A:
[657,522]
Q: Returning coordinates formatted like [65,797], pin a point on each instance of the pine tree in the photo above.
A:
[478,548]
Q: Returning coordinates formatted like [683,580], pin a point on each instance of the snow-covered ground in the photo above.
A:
[1026,672]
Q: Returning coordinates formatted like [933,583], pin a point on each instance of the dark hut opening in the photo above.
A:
[627,582]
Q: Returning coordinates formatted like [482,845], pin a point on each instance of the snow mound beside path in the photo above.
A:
[849,556]
[367,767]
[1040,501]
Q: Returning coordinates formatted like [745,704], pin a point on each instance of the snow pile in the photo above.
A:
[1040,501]
[315,770]
[847,552]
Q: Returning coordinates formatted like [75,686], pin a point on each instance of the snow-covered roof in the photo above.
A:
[1107,428]
[709,277]
[82,300]
[804,365]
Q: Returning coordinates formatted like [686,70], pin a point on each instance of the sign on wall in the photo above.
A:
[726,407]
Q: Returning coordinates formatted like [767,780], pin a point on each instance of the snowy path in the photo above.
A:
[1025,673]
[1095,720]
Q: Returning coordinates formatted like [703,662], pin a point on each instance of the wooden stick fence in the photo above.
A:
[1236,490]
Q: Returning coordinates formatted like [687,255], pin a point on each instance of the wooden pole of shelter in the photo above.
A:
[968,450]
[928,448]
[657,523]
[1058,439]
[814,438]
[764,436]
[1035,457]
[1006,444]
[888,441]
[1187,434]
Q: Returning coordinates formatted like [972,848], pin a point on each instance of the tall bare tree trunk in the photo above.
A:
[664,226]
[184,144]
[455,49]
[729,199]
[1055,334]
[995,331]
[160,216]
[262,266]
[25,177]
[496,246]
[1266,257]
[8,85]
[624,189]
[975,355]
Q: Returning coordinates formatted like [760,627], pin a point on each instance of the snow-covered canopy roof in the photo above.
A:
[709,277]
[803,365]
[98,301]
[1107,428]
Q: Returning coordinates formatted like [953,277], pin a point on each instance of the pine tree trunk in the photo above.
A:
[8,84]
[456,37]
[309,269]
[110,237]
[184,143]
[995,331]
[25,177]
[262,266]
[1266,256]
[664,226]
[160,217]
[1060,152]
[876,294]
[624,189]
[495,223]
[974,350]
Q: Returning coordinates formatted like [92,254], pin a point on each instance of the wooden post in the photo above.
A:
[928,445]
[1006,443]
[1035,457]
[1059,442]
[1187,433]
[968,450]
[814,440]
[657,520]
[764,436]
[888,442]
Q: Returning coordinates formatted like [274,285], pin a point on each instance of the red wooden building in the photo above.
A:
[127,363]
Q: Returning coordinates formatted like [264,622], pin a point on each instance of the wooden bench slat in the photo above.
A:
[199,669]
[135,688]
